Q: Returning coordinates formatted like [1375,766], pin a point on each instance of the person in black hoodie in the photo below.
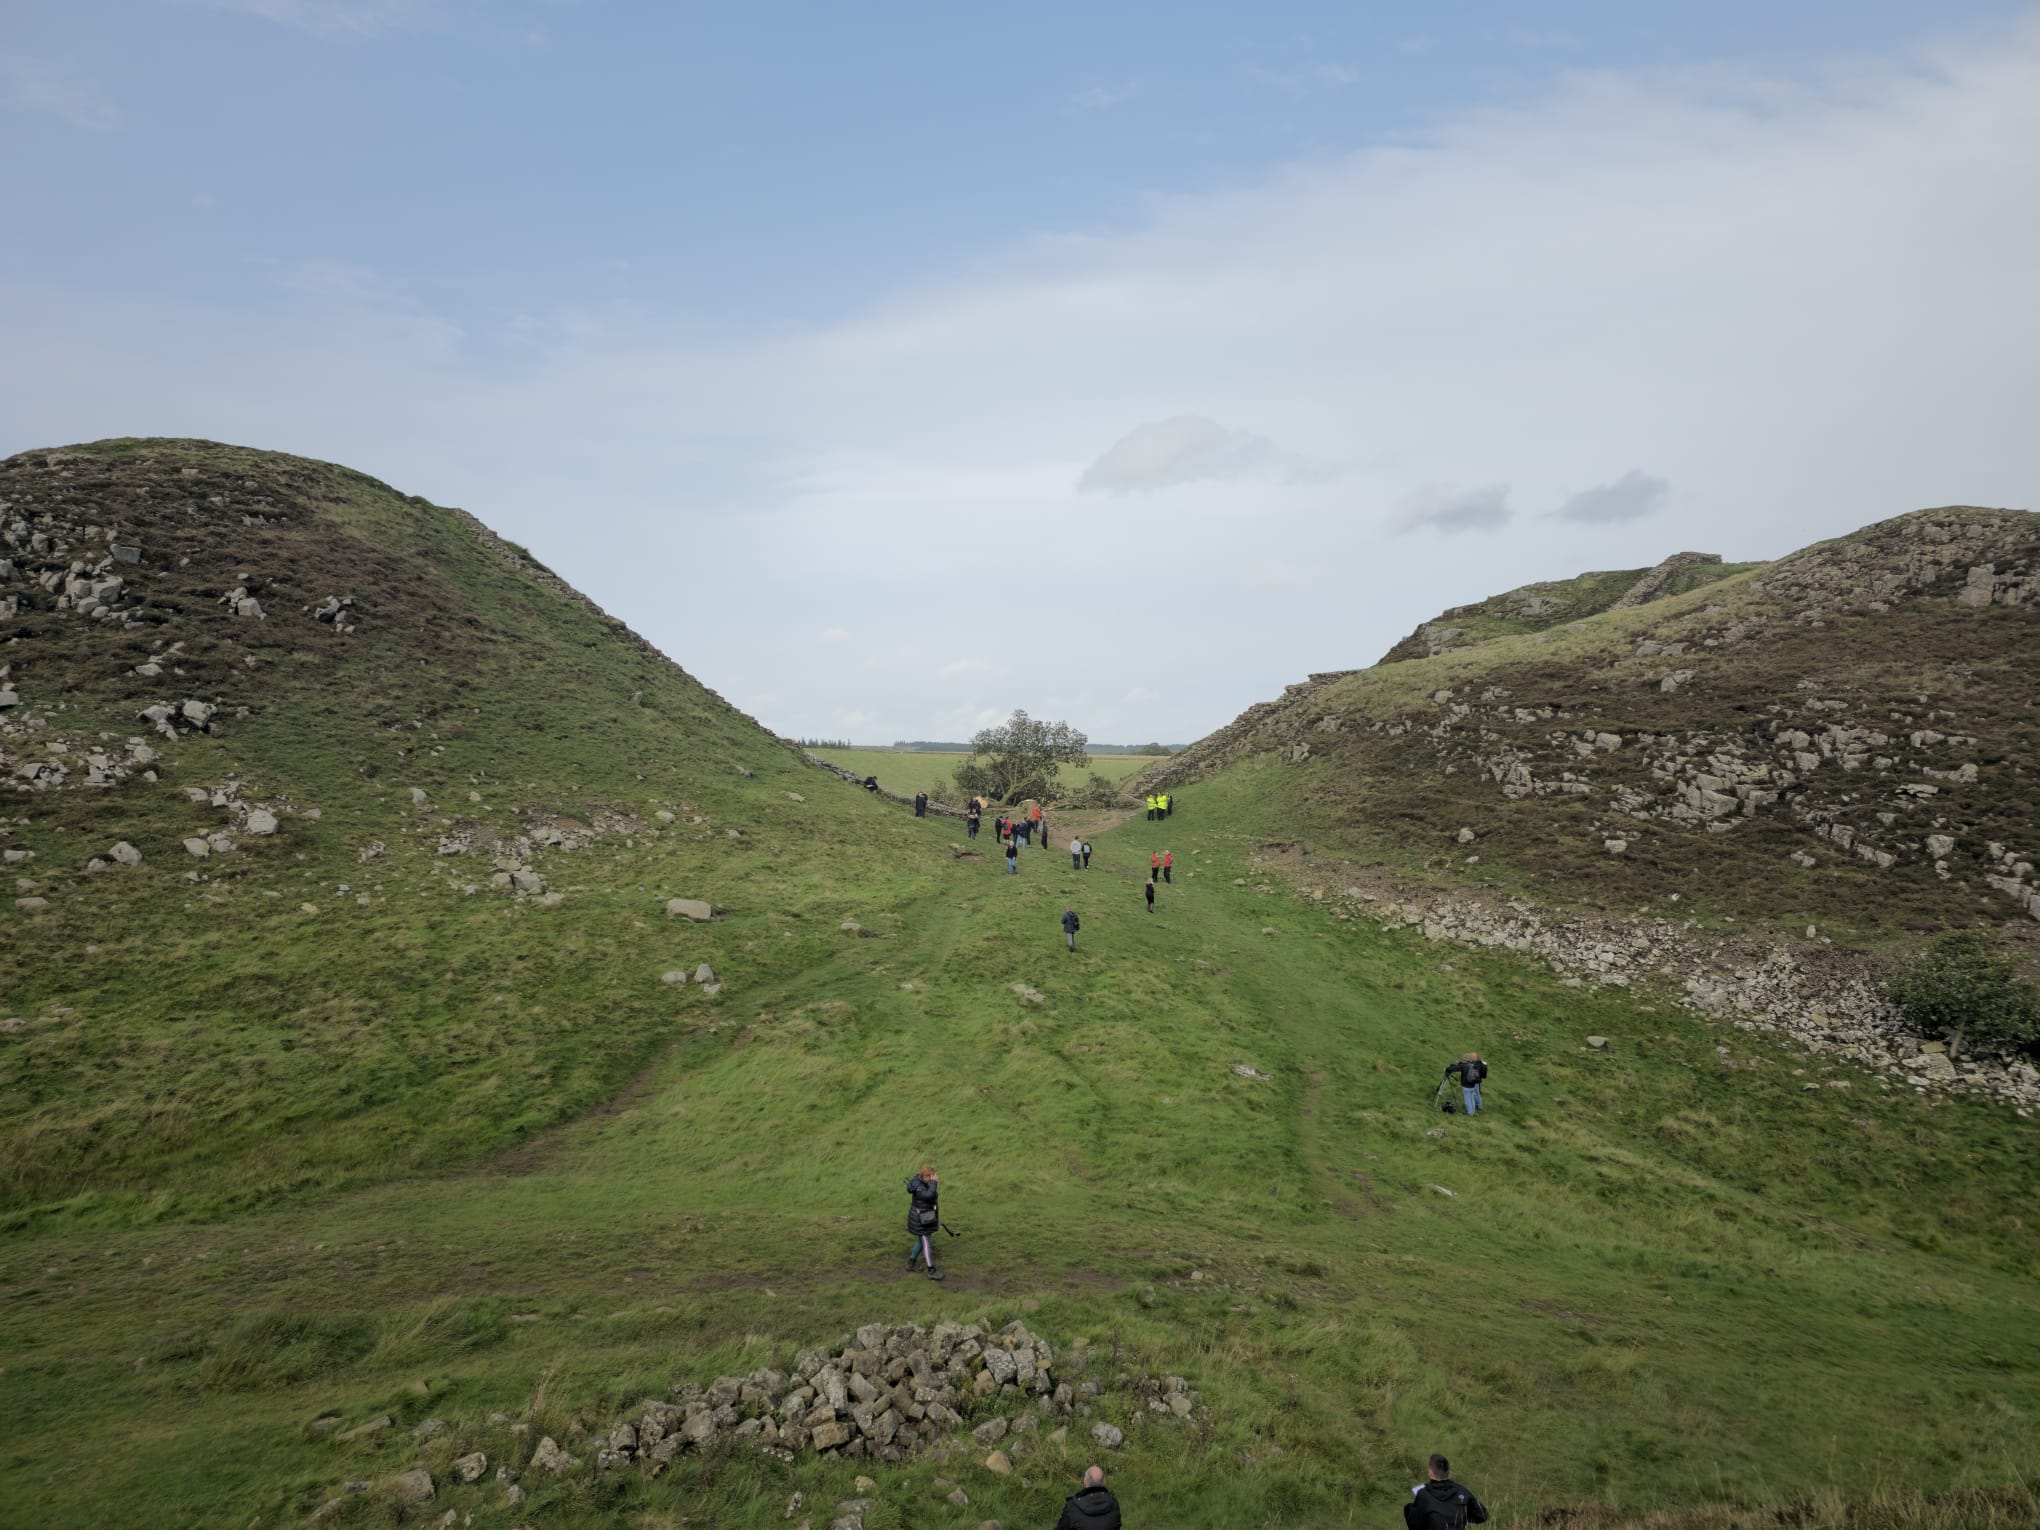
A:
[1069,923]
[1439,1503]
[924,1216]
[1092,1507]
[1471,1071]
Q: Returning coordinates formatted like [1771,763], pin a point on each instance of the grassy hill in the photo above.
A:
[465,1155]
[1846,737]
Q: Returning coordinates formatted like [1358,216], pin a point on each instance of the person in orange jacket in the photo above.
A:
[1168,861]
[1155,866]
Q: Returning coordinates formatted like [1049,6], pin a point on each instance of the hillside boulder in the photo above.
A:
[688,908]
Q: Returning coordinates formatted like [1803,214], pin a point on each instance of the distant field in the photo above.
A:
[903,770]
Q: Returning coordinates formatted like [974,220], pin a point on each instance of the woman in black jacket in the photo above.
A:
[923,1218]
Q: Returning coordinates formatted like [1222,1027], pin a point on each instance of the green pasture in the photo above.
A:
[1664,1274]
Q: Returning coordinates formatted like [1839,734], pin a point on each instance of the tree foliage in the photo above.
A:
[1963,991]
[1018,759]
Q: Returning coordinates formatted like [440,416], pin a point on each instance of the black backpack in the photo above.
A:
[1472,1073]
[1429,1511]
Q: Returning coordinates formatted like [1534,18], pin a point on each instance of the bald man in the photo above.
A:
[1092,1507]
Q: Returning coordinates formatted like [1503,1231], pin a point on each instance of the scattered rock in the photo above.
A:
[362,1431]
[260,821]
[470,1468]
[688,908]
[411,1487]
[126,854]
[1031,995]
[1597,1042]
[997,1464]
[1108,1435]
[704,974]
[550,1458]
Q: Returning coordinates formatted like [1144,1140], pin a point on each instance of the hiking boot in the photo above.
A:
[936,1275]
[910,1266]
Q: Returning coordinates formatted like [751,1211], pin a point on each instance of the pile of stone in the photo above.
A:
[891,1393]
[338,610]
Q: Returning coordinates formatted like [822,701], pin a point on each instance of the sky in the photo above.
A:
[894,366]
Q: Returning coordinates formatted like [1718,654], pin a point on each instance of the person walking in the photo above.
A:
[1041,828]
[1013,855]
[1168,865]
[1076,854]
[1149,884]
[1471,1071]
[1087,855]
[999,827]
[924,1218]
[970,823]
[1092,1506]
[1439,1503]
[1155,866]
[1069,923]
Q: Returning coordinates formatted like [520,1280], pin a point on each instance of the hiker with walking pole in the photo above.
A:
[924,1217]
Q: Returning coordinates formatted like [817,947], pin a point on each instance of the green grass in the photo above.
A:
[448,1154]
[910,771]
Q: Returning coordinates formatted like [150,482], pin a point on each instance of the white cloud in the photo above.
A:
[326,18]
[28,85]
[1449,509]
[1301,81]
[1631,497]
[1185,448]
[1809,305]
[1100,97]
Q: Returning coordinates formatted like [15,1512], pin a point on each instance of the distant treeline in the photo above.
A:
[825,743]
[934,746]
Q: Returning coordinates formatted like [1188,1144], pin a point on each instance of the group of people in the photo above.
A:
[1159,806]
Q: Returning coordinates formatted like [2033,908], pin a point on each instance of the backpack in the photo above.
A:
[1473,1073]
[1427,1511]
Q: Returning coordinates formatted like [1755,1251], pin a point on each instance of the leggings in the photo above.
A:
[922,1251]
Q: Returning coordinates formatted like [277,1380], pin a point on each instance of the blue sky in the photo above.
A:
[893,366]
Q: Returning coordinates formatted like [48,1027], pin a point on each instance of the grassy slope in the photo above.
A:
[275,1162]
[1398,798]
[1540,607]
[1661,1278]
[911,771]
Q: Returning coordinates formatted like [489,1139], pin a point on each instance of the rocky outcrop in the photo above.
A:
[1654,580]
[1796,701]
